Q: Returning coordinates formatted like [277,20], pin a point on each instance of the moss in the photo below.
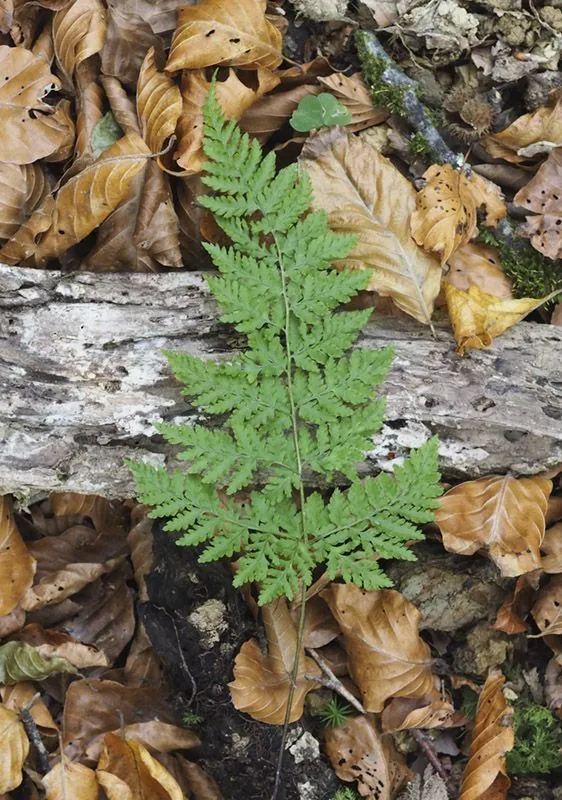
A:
[538,741]
[346,794]
[532,274]
[419,145]
[384,93]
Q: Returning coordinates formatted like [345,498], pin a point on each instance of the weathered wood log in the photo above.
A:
[83,379]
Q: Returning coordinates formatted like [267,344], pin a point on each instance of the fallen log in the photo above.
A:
[83,380]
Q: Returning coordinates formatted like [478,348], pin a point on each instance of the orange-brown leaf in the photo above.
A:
[543,195]
[22,188]
[542,125]
[386,655]
[510,615]
[492,738]
[17,565]
[14,747]
[159,103]
[262,682]
[502,514]
[445,216]
[214,32]
[352,92]
[478,265]
[78,33]
[551,548]
[547,610]
[67,779]
[434,710]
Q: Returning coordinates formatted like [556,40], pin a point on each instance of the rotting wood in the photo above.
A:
[83,379]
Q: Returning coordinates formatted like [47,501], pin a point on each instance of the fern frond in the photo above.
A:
[295,404]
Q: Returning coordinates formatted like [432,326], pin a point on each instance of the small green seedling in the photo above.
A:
[335,713]
[319,111]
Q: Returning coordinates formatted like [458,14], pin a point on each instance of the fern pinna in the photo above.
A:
[298,404]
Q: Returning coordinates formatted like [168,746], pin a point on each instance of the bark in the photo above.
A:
[83,379]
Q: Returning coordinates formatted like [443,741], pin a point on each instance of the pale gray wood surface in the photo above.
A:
[82,380]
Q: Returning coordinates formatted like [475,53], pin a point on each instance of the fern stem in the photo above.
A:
[295,433]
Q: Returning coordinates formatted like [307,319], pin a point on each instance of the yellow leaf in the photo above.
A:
[215,32]
[386,655]
[159,103]
[262,682]
[14,747]
[71,781]
[31,129]
[505,515]
[363,193]
[478,317]
[17,566]
[127,770]
[78,33]
[492,738]
[445,217]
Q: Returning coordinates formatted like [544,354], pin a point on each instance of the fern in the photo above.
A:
[297,404]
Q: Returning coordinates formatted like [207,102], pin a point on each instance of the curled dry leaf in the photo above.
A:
[492,738]
[21,695]
[57,644]
[140,540]
[214,32]
[359,753]
[31,129]
[547,610]
[543,195]
[478,265]
[128,38]
[553,686]
[156,736]
[434,710]
[262,682]
[510,618]
[22,188]
[67,779]
[9,623]
[502,514]
[104,514]
[159,103]
[478,317]
[14,747]
[194,782]
[552,549]
[363,193]
[126,769]
[234,96]
[78,33]
[542,125]
[352,92]
[17,565]
[446,209]
[320,627]
[142,667]
[386,655]
[63,118]
[21,662]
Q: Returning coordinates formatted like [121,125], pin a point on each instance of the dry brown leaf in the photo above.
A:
[320,627]
[89,111]
[214,32]
[543,195]
[445,217]
[142,667]
[22,188]
[386,655]
[57,644]
[501,514]
[121,105]
[21,695]
[551,548]
[14,747]
[557,315]
[492,738]
[542,125]
[365,194]
[478,265]
[12,622]
[88,199]
[159,104]
[105,515]
[553,686]
[547,610]
[359,753]
[194,782]
[262,682]
[478,317]
[140,540]
[31,129]
[68,780]
[234,96]
[17,565]
[128,39]
[434,710]
[94,707]
[510,615]
[78,33]
[156,736]
[352,92]
[126,769]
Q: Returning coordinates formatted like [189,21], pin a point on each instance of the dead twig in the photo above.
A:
[331,681]
[428,749]
[34,736]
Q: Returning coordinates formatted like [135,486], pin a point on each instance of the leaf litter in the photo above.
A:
[99,163]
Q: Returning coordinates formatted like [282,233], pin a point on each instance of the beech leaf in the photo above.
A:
[492,738]
[22,188]
[17,565]
[24,694]
[30,128]
[363,193]
[543,195]
[78,33]
[159,104]
[21,662]
[477,265]
[386,655]
[478,317]
[445,217]
[14,747]
[359,753]
[502,514]
[214,32]
[67,780]
[262,682]
[546,610]
[431,711]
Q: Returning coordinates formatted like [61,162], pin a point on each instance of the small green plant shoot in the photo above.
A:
[295,407]
[538,741]
[335,713]
[318,111]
